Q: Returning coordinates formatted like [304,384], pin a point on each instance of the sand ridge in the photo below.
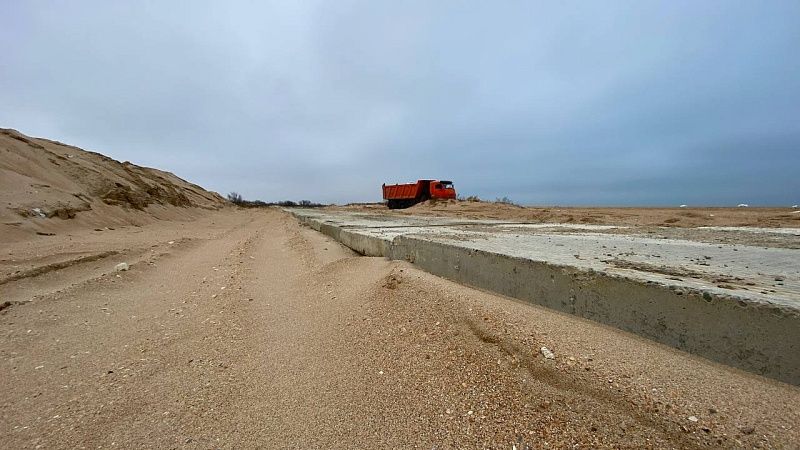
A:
[50,187]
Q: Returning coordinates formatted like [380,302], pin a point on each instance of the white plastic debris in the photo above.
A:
[121,267]
[547,353]
[39,213]
[693,419]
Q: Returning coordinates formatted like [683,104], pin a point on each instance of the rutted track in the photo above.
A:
[43,269]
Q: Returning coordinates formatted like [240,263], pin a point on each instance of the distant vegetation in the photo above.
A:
[238,200]
[471,198]
[475,198]
[235,198]
[505,201]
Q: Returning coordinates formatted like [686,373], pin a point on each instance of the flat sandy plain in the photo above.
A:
[675,217]
[241,328]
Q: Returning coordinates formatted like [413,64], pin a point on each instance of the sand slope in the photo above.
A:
[44,182]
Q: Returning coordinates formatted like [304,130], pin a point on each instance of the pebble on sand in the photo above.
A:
[547,353]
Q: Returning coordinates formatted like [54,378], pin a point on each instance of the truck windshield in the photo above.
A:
[446,186]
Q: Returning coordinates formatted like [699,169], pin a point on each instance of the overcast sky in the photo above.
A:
[606,102]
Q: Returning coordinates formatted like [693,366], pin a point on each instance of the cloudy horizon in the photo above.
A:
[590,103]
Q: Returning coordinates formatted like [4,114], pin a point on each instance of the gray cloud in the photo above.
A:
[585,103]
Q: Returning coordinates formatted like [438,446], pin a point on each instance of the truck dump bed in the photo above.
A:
[403,191]
[409,194]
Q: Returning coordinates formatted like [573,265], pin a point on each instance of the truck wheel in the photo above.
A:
[392,204]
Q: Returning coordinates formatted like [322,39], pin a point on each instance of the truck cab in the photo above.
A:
[442,189]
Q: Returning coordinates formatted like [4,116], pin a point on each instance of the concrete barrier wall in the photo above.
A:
[306,220]
[358,242]
[363,244]
[757,337]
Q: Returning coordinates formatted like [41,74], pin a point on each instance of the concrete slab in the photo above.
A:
[736,304]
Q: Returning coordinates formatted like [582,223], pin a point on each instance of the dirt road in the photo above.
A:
[243,329]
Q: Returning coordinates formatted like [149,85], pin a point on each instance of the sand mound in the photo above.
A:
[42,179]
[630,216]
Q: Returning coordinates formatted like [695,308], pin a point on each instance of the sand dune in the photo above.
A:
[47,186]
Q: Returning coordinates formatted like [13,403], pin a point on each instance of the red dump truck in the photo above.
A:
[405,195]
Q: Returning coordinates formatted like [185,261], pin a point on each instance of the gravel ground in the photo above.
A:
[243,329]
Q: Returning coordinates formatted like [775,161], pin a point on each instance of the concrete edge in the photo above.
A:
[756,337]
